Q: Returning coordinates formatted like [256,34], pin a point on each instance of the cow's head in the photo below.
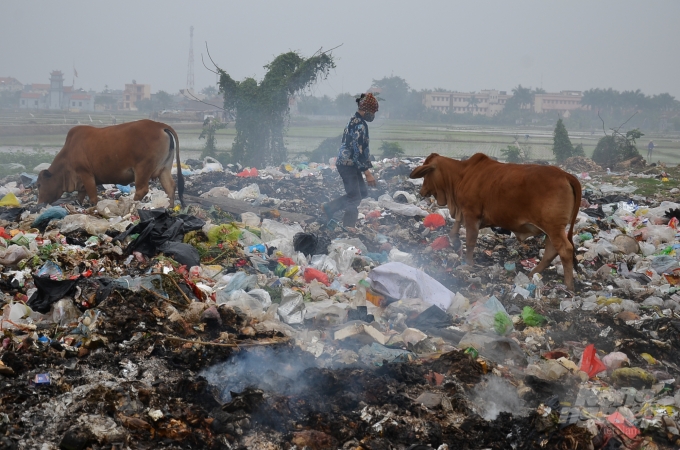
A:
[433,184]
[50,187]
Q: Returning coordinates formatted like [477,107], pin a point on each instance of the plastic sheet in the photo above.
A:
[397,280]
[250,219]
[53,213]
[249,192]
[482,316]
[271,230]
[386,202]
[92,225]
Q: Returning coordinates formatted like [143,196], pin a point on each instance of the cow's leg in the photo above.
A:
[548,255]
[565,249]
[89,186]
[471,232]
[141,185]
[168,186]
[454,235]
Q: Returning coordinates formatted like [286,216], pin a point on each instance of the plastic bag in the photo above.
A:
[483,316]
[502,323]
[658,234]
[344,257]
[212,165]
[313,274]
[64,312]
[10,200]
[404,197]
[310,244]
[664,264]
[614,360]
[590,362]
[441,242]
[398,256]
[53,213]
[223,233]
[250,219]
[276,230]
[385,201]
[324,263]
[399,281]
[241,281]
[11,255]
[242,301]
[249,192]
[292,307]
[434,221]
[531,317]
[90,224]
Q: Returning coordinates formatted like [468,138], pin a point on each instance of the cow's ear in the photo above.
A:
[45,173]
[420,172]
[430,158]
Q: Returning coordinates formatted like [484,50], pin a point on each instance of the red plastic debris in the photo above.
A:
[529,263]
[434,221]
[286,261]
[245,173]
[374,214]
[556,354]
[623,425]
[313,274]
[440,243]
[3,234]
[590,363]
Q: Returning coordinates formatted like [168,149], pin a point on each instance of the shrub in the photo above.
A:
[327,149]
[512,154]
[611,150]
[391,149]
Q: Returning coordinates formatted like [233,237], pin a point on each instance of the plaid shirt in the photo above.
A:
[354,150]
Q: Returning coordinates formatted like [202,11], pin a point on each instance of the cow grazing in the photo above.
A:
[528,200]
[119,154]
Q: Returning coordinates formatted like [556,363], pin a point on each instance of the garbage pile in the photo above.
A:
[132,325]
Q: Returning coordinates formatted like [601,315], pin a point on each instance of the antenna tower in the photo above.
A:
[190,66]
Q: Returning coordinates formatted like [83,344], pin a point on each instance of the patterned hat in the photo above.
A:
[369,103]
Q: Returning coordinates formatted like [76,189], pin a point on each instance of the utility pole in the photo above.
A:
[190,66]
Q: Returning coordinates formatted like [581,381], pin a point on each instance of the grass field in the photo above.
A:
[305,134]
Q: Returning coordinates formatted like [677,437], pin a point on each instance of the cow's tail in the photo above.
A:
[576,188]
[180,175]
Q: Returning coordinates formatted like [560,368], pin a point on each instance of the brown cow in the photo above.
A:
[528,200]
[119,154]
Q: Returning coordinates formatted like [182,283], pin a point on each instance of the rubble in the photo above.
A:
[244,322]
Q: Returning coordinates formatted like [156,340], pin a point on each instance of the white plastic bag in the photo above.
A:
[11,255]
[90,224]
[212,165]
[249,192]
[276,230]
[250,219]
[399,281]
[385,201]
[482,315]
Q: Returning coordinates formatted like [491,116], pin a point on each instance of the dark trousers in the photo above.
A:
[355,190]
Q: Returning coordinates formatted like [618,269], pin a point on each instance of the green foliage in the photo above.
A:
[579,151]
[163,100]
[512,154]
[209,91]
[327,149]
[144,105]
[261,109]
[210,126]
[391,149]
[562,146]
[394,91]
[611,150]
[26,159]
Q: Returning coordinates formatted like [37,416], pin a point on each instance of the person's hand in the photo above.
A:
[370,180]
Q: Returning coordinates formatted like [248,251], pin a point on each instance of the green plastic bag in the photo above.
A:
[502,323]
[223,233]
[532,318]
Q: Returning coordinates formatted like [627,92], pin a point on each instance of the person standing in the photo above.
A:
[353,162]
[650,149]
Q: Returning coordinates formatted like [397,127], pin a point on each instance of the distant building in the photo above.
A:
[487,102]
[56,96]
[9,84]
[133,93]
[563,103]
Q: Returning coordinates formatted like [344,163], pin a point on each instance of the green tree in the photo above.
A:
[345,104]
[391,149]
[327,149]
[394,91]
[209,91]
[261,109]
[512,154]
[210,126]
[144,105]
[613,149]
[106,101]
[522,98]
[162,101]
[562,146]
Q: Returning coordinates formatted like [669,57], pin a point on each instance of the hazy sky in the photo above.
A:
[457,45]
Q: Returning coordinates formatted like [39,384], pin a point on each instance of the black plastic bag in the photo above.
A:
[50,291]
[310,244]
[185,254]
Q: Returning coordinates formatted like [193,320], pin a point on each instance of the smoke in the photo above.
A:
[266,368]
[497,395]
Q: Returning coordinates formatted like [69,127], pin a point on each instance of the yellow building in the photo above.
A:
[487,102]
[133,93]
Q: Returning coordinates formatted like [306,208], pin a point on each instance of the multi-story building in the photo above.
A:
[133,93]
[10,84]
[56,96]
[562,103]
[487,102]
